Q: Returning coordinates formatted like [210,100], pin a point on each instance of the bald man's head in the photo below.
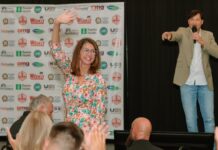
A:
[141,129]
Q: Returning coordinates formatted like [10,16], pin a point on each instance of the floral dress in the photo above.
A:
[85,103]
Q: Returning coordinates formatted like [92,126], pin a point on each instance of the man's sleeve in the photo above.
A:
[176,35]
[211,46]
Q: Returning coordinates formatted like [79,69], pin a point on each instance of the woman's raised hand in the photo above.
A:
[67,17]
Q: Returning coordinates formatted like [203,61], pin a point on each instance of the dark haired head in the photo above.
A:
[194,13]
[66,135]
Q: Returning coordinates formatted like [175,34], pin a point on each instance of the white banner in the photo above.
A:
[27,69]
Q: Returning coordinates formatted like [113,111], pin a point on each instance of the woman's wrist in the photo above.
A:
[57,22]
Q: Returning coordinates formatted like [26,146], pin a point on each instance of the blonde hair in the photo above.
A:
[34,130]
[38,101]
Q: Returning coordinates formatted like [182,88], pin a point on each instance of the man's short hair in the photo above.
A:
[194,13]
[66,135]
[37,101]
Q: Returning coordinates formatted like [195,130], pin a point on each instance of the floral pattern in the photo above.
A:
[85,102]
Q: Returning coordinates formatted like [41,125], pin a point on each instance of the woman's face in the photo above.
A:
[87,54]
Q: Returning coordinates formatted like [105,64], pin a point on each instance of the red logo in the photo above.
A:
[116,122]
[116,76]
[36,76]
[22,42]
[22,108]
[23,64]
[116,99]
[23,30]
[22,20]
[68,42]
[37,43]
[37,21]
[97,7]
[22,75]
[22,98]
[116,42]
[88,20]
[116,19]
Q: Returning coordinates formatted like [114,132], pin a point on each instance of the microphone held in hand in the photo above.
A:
[194,29]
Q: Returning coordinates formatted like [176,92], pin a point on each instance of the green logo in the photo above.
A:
[19,53]
[113,87]
[19,9]
[23,53]
[3,130]
[84,31]
[37,64]
[38,31]
[112,53]
[103,65]
[38,9]
[37,87]
[37,53]
[112,7]
[103,31]
[18,86]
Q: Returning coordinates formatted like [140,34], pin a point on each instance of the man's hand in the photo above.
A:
[196,36]
[166,36]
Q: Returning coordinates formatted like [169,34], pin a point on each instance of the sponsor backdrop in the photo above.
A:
[27,69]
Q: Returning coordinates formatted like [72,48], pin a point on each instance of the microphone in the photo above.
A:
[194,29]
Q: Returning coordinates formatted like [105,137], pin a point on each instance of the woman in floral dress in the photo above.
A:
[85,91]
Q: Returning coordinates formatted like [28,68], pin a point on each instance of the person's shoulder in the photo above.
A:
[15,127]
[207,32]
[143,144]
[203,30]
[69,77]
[184,29]
[99,75]
[152,146]
[157,148]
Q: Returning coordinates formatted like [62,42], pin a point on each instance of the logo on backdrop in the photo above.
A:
[22,98]
[22,75]
[34,69]
[116,122]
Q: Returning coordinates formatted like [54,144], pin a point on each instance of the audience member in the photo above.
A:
[33,132]
[140,134]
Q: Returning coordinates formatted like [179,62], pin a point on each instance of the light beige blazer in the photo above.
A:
[186,46]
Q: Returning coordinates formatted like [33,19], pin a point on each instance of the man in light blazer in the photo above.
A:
[193,71]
